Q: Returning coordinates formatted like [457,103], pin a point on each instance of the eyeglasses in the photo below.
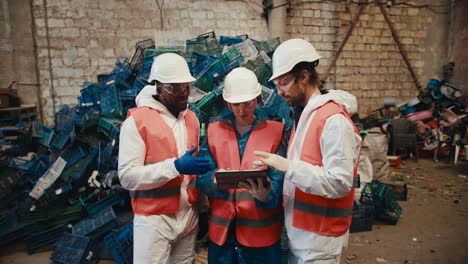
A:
[284,81]
[284,84]
[177,88]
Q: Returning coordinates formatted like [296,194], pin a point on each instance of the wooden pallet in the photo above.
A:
[16,116]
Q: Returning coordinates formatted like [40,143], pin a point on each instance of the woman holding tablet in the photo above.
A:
[246,222]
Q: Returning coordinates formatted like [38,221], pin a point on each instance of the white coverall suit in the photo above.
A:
[340,149]
[165,238]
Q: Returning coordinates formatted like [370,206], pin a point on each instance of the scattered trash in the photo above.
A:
[381,260]
[430,180]
[350,258]
[395,161]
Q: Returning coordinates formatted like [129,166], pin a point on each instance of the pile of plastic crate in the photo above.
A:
[70,177]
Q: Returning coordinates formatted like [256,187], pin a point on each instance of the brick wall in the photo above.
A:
[87,36]
[6,71]
[371,66]
[459,54]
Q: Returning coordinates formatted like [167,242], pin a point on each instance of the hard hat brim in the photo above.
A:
[278,74]
[242,98]
[187,79]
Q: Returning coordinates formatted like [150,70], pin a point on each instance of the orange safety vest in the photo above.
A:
[161,145]
[313,213]
[254,227]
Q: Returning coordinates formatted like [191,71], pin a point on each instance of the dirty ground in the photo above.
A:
[432,229]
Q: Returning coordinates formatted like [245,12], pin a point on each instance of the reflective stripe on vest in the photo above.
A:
[254,227]
[313,213]
[160,145]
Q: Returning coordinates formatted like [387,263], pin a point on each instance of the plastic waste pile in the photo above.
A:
[59,184]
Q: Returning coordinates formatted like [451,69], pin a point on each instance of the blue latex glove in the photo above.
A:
[205,183]
[192,165]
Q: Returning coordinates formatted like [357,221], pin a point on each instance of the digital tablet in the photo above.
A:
[227,179]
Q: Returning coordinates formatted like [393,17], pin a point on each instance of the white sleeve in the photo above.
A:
[339,146]
[133,173]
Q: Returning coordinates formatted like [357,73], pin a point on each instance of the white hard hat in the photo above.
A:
[170,68]
[290,53]
[241,85]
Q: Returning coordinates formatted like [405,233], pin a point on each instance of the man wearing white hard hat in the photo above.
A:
[157,141]
[322,158]
[246,222]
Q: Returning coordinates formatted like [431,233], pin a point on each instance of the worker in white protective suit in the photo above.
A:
[322,160]
[157,141]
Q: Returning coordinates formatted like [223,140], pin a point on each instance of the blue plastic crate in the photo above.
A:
[146,68]
[386,207]
[44,238]
[207,35]
[127,105]
[87,116]
[73,249]
[47,135]
[111,101]
[26,165]
[138,56]
[199,61]
[201,67]
[94,208]
[110,127]
[97,226]
[154,52]
[80,169]
[139,84]
[114,79]
[107,160]
[228,40]
[73,155]
[398,191]
[362,219]
[205,43]
[120,74]
[129,94]
[233,64]
[89,95]
[268,45]
[62,139]
[195,45]
[211,75]
[34,168]
[261,70]
[64,118]
[121,244]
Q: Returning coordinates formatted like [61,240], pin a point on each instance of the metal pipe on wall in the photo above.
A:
[400,47]
[36,66]
[51,75]
[343,43]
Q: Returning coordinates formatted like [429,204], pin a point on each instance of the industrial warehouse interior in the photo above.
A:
[125,127]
